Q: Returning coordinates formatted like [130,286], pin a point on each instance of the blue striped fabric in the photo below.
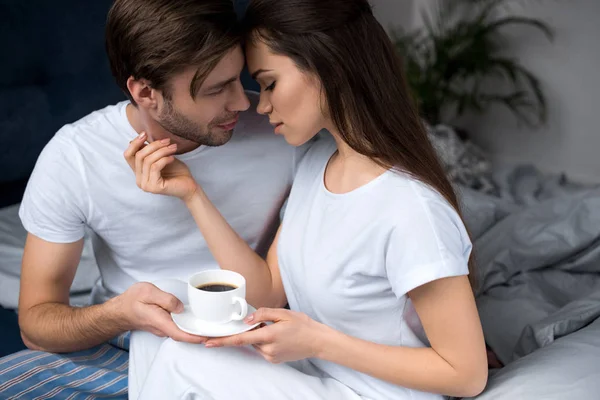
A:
[100,372]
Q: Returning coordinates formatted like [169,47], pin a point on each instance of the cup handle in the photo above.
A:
[244,306]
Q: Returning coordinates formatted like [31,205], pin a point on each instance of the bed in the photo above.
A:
[538,252]
[537,243]
[537,248]
[540,301]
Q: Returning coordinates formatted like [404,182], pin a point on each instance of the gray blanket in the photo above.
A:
[538,252]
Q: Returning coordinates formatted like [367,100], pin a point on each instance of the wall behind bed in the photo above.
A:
[568,69]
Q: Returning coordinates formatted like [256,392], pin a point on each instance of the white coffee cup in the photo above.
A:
[218,306]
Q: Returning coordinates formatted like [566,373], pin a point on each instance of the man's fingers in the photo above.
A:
[156,332]
[493,361]
[180,336]
[166,325]
[166,301]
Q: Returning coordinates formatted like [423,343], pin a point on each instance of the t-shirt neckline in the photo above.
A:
[354,192]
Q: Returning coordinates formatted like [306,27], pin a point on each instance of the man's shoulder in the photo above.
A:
[87,135]
[92,127]
[108,115]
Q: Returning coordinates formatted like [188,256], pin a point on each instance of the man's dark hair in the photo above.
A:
[156,39]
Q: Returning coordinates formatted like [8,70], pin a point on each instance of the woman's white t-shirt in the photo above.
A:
[349,260]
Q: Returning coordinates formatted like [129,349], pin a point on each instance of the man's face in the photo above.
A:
[209,118]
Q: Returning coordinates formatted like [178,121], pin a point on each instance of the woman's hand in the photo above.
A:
[157,170]
[293,336]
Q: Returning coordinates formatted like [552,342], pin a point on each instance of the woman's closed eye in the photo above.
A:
[270,87]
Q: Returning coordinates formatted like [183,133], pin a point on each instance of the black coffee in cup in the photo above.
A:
[216,287]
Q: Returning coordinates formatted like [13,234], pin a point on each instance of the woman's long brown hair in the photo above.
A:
[361,73]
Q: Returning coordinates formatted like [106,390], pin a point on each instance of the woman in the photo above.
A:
[372,255]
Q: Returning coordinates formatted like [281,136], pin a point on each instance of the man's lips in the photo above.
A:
[230,124]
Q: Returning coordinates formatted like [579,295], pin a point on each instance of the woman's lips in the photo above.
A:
[277,126]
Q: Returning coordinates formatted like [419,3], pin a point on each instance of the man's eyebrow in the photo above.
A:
[260,71]
[221,84]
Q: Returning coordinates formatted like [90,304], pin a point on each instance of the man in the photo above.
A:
[179,63]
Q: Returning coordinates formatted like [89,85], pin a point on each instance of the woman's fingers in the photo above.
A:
[150,170]
[141,155]
[267,351]
[134,146]
[259,336]
[155,181]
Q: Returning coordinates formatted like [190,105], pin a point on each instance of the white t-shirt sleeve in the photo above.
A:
[54,203]
[429,242]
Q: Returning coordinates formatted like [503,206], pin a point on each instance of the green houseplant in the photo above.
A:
[452,60]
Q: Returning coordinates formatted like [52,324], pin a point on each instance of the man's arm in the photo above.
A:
[49,323]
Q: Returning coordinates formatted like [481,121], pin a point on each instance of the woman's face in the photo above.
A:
[289,97]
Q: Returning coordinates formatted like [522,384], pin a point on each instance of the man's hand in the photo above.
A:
[493,361]
[157,170]
[145,307]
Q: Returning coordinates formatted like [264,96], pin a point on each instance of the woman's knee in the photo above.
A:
[198,356]
[183,354]
[173,348]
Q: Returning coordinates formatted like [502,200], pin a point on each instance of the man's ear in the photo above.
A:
[143,94]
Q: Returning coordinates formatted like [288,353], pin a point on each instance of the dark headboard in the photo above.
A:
[54,70]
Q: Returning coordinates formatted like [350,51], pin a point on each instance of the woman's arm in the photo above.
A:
[263,280]
[454,365]
[158,171]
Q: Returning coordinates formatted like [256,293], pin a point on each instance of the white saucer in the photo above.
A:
[187,322]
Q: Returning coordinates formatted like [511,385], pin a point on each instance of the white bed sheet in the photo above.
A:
[12,242]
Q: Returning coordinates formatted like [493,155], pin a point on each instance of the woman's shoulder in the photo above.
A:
[424,228]
[414,202]
[412,189]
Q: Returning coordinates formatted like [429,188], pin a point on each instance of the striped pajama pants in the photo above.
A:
[97,373]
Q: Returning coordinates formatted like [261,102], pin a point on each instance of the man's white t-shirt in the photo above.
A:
[349,260]
[82,183]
